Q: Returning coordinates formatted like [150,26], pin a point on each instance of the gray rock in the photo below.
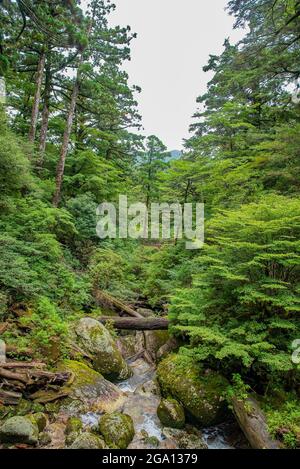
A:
[95,339]
[19,430]
[190,438]
[117,430]
[44,439]
[88,441]
[171,413]
[89,391]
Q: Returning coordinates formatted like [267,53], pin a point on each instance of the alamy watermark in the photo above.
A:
[296,352]
[2,91]
[159,221]
[296,93]
[2,351]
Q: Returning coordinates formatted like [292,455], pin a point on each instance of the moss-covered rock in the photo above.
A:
[171,413]
[88,441]
[130,345]
[87,386]
[74,424]
[44,439]
[71,437]
[40,419]
[23,408]
[117,430]
[189,438]
[171,346]
[201,394]
[19,430]
[149,440]
[154,340]
[73,429]
[95,339]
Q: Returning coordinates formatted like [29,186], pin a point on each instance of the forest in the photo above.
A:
[206,343]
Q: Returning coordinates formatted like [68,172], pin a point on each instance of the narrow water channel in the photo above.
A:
[142,399]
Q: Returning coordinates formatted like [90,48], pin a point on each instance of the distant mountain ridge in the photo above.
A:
[175,154]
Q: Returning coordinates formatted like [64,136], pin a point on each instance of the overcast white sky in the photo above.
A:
[175,38]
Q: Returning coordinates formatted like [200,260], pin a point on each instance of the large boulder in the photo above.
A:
[201,393]
[19,430]
[88,441]
[117,430]
[189,438]
[95,339]
[171,413]
[130,345]
[171,346]
[89,387]
[40,419]
[73,429]
[154,340]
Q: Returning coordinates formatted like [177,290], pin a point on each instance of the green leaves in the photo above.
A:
[240,311]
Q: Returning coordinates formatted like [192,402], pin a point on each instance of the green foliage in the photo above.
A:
[14,166]
[246,290]
[46,325]
[284,421]
[238,388]
[235,304]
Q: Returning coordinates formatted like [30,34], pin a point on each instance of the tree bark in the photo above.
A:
[45,117]
[10,397]
[253,423]
[66,139]
[37,97]
[137,324]
[106,298]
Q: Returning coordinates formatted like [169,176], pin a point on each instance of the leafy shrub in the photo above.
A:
[46,325]
[241,311]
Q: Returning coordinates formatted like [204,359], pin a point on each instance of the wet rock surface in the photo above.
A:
[89,390]
[88,441]
[19,430]
[97,413]
[117,430]
[202,395]
[171,413]
[96,340]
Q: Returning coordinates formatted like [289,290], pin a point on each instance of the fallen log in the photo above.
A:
[19,379]
[11,375]
[137,324]
[14,350]
[49,396]
[253,424]
[107,299]
[12,364]
[9,397]
[3,327]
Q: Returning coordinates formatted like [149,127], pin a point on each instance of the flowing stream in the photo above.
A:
[142,399]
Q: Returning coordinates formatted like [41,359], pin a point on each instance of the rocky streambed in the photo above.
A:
[114,401]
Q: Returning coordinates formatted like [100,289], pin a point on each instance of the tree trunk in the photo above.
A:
[45,117]
[137,324]
[66,139]
[253,423]
[37,97]
[105,298]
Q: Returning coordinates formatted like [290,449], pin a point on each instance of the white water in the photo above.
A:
[141,405]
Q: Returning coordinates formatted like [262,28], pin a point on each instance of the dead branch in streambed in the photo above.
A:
[137,324]
[108,300]
[21,379]
[253,423]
